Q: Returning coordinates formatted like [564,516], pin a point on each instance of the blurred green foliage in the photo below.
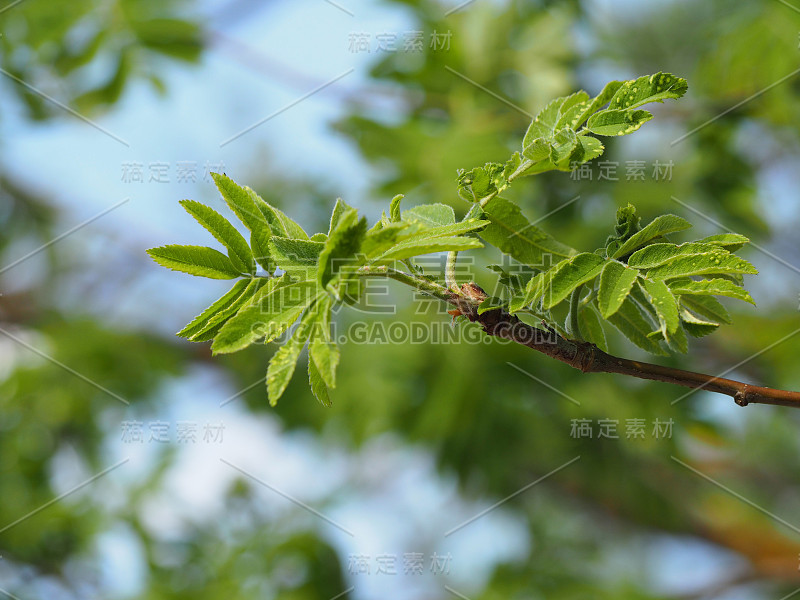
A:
[492,427]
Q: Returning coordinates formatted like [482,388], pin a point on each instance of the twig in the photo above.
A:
[582,355]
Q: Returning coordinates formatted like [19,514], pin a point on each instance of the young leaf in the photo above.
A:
[202,332]
[710,287]
[598,102]
[665,305]
[588,148]
[225,233]
[710,263]
[394,208]
[617,122]
[195,260]
[544,124]
[430,215]
[695,326]
[655,255]
[648,88]
[380,240]
[730,241]
[243,204]
[278,305]
[563,145]
[280,224]
[512,233]
[591,327]
[417,247]
[318,386]
[283,362]
[654,229]
[342,246]
[200,321]
[571,110]
[632,324]
[616,282]
[296,257]
[325,355]
[568,275]
[338,210]
[706,306]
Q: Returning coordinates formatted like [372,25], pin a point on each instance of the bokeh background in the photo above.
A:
[135,465]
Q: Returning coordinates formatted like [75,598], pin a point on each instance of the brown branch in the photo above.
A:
[590,359]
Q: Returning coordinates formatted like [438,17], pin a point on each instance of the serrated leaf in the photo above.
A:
[379,241]
[417,247]
[616,282]
[598,102]
[568,275]
[655,255]
[710,263]
[341,248]
[537,150]
[706,306]
[697,327]
[730,241]
[242,201]
[225,233]
[200,321]
[338,209]
[318,386]
[648,88]
[278,305]
[632,324]
[511,166]
[299,258]
[656,228]
[544,124]
[710,287]
[280,223]
[318,237]
[665,305]
[592,327]
[571,110]
[563,144]
[511,232]
[394,208]
[214,322]
[617,122]
[195,260]
[430,215]
[588,148]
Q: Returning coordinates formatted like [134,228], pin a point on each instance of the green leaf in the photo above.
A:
[616,282]
[537,150]
[665,305]
[277,306]
[544,124]
[417,247]
[592,327]
[280,224]
[598,102]
[238,250]
[588,148]
[617,122]
[201,320]
[380,240]
[325,355]
[338,210]
[242,201]
[648,88]
[318,386]
[568,275]
[570,111]
[195,260]
[430,215]
[656,228]
[481,182]
[655,255]
[710,287]
[318,237]
[563,145]
[711,263]
[296,257]
[706,306]
[697,327]
[342,246]
[632,324]
[512,233]
[730,241]
[202,332]
[394,208]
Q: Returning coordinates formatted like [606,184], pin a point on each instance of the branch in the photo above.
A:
[578,354]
